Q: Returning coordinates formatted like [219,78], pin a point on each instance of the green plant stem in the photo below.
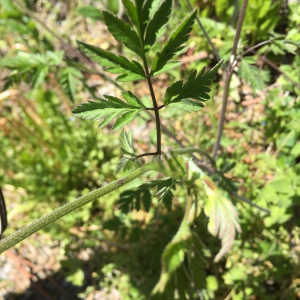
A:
[155,107]
[255,47]
[228,76]
[188,205]
[40,223]
[191,150]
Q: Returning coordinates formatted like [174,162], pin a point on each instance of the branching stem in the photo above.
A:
[158,108]
[40,223]
[146,154]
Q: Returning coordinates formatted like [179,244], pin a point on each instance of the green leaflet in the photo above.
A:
[126,143]
[123,33]
[125,119]
[164,190]
[159,19]
[196,86]
[69,79]
[132,99]
[175,44]
[39,76]
[130,71]
[129,160]
[90,11]
[168,66]
[187,105]
[135,199]
[132,12]
[251,76]
[108,108]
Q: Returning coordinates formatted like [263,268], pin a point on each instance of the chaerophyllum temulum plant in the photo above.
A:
[184,258]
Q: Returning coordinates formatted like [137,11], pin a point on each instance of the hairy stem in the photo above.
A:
[155,107]
[228,76]
[40,223]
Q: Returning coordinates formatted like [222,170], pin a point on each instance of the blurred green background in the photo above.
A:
[49,157]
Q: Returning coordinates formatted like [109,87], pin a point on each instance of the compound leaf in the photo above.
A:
[69,79]
[175,44]
[196,86]
[135,199]
[251,76]
[39,76]
[126,142]
[115,64]
[164,190]
[107,108]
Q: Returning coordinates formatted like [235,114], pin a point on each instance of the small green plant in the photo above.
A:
[185,258]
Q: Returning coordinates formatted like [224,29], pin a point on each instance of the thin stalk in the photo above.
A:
[40,223]
[155,107]
[255,47]
[146,154]
[223,113]
[244,199]
[214,49]
[228,76]
[191,150]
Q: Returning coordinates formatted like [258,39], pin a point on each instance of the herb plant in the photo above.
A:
[184,260]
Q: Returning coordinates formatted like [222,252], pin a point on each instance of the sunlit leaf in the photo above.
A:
[159,19]
[196,86]
[174,45]
[251,75]
[130,71]
[223,218]
[123,33]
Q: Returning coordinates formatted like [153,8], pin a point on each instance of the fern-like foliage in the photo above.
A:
[251,76]
[135,199]
[115,64]
[110,108]
[196,87]
[69,80]
[129,159]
